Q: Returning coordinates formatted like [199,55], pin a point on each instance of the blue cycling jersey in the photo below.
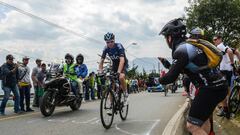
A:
[115,53]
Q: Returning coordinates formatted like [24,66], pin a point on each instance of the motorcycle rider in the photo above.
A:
[69,72]
[81,71]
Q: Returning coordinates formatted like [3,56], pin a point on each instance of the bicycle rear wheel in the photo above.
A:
[107,109]
[123,107]
[234,100]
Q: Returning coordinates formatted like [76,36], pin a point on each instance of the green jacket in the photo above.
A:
[98,80]
[92,81]
[69,71]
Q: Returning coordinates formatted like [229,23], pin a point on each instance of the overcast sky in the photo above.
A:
[130,20]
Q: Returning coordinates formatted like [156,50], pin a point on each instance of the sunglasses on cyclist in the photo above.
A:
[108,42]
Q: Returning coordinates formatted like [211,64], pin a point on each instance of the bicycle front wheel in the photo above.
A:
[234,100]
[107,109]
[123,107]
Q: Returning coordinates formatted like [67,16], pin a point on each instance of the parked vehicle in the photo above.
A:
[158,88]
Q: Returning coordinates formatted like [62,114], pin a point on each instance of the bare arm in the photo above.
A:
[230,54]
[121,64]
[34,78]
[237,54]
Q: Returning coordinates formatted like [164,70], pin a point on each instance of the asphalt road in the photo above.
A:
[149,113]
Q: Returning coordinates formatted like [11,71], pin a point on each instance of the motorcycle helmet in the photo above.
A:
[79,59]
[69,56]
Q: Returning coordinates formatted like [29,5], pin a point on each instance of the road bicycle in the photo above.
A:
[113,101]
[234,98]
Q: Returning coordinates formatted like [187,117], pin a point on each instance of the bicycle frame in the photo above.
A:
[115,87]
[233,102]
[236,82]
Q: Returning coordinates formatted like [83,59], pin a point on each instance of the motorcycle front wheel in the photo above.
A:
[76,104]
[47,105]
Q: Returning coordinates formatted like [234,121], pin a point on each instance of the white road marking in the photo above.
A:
[32,121]
[56,120]
[84,122]
[96,122]
[129,133]
[157,121]
[123,131]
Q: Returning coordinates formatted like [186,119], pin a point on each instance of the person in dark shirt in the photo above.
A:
[9,84]
[189,59]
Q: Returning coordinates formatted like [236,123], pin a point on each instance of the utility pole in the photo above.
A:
[159,67]
[154,70]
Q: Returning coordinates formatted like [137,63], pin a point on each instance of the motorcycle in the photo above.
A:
[58,92]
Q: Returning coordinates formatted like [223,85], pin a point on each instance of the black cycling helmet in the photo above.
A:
[197,33]
[68,55]
[79,58]
[109,36]
[174,28]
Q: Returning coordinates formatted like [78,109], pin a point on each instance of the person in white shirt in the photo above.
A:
[25,85]
[226,67]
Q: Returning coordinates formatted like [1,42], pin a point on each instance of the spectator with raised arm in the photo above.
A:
[9,84]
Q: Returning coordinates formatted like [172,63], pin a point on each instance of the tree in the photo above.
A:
[216,17]
[144,74]
[153,74]
[132,72]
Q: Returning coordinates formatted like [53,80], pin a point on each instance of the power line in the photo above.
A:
[55,25]
[49,23]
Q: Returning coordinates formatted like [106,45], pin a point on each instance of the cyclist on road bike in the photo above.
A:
[117,54]
[187,59]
